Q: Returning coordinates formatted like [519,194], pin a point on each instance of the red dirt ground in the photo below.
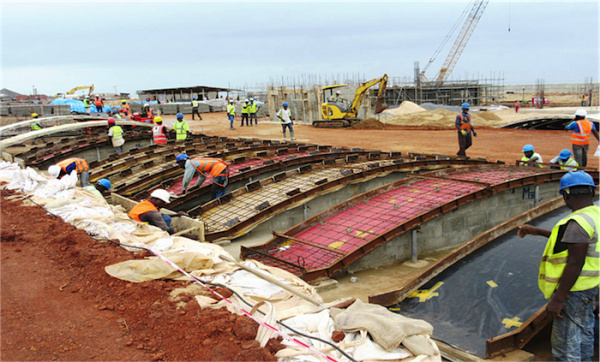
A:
[58,303]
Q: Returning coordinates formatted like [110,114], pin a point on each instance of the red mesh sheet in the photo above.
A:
[493,177]
[355,227]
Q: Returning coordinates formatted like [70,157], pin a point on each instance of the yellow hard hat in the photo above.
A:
[33,115]
[158,119]
[123,101]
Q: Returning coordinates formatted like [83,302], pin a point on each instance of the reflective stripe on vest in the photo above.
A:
[553,265]
[583,136]
[568,162]
[141,208]
[117,132]
[98,102]
[158,134]
[231,110]
[36,127]
[466,125]
[214,165]
[80,164]
[253,108]
[525,159]
[180,130]
[245,108]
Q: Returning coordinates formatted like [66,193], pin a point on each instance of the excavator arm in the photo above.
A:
[91,87]
[361,92]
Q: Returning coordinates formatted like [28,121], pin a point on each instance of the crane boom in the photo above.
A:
[461,41]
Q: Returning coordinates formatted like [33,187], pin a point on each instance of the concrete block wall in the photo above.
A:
[456,227]
[25,110]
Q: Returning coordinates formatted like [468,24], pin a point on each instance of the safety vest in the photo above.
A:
[181,129]
[582,137]
[117,133]
[93,190]
[525,159]
[86,103]
[253,108]
[36,127]
[231,109]
[126,108]
[158,134]
[553,265]
[568,162]
[215,166]
[465,124]
[194,104]
[80,165]
[245,108]
[141,208]
[98,102]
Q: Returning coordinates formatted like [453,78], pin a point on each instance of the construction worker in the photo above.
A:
[218,169]
[160,134]
[195,104]
[529,155]
[115,135]
[115,114]
[101,186]
[148,211]
[465,128]
[87,104]
[65,167]
[564,159]
[337,98]
[252,110]
[569,270]
[245,110]
[231,113]
[182,128]
[580,139]
[285,118]
[125,108]
[147,113]
[36,126]
[99,103]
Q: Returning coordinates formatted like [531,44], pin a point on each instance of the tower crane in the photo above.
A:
[459,44]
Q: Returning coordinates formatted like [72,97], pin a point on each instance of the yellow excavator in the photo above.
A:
[337,114]
[70,93]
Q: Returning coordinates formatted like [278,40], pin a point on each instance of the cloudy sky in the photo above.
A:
[129,46]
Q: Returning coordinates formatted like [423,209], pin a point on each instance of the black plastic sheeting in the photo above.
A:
[466,310]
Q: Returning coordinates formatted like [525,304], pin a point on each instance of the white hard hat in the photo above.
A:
[246,100]
[146,105]
[54,170]
[251,99]
[338,92]
[581,113]
[161,194]
[231,101]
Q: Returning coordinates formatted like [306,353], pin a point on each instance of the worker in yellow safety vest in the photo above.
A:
[530,156]
[565,161]
[252,110]
[570,269]
[115,134]
[181,127]
[36,126]
[245,111]
[195,105]
[231,113]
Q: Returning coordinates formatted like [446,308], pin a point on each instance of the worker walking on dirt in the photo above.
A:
[87,104]
[100,187]
[285,118]
[530,156]
[195,105]
[231,113]
[160,134]
[65,167]
[252,110]
[580,139]
[568,274]
[564,160]
[148,211]
[218,170]
[182,128]
[245,111]
[115,135]
[465,128]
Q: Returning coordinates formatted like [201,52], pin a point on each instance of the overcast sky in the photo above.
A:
[55,46]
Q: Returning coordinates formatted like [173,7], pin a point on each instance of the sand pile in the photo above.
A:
[369,123]
[405,107]
[439,118]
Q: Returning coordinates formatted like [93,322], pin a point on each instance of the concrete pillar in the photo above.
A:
[413,246]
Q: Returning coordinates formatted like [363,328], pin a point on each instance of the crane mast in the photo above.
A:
[461,41]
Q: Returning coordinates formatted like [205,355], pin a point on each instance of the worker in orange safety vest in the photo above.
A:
[580,139]
[69,165]
[159,132]
[148,211]
[218,169]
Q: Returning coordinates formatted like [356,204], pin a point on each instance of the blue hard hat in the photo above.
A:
[528,148]
[285,104]
[576,178]
[564,154]
[179,115]
[181,157]
[194,98]
[104,182]
[466,106]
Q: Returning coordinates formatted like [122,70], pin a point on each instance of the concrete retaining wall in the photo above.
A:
[458,226]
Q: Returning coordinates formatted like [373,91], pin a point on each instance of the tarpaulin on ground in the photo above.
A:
[77,105]
[486,294]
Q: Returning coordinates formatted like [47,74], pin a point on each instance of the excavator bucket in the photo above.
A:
[380,106]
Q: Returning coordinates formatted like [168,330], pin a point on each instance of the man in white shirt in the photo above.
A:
[285,118]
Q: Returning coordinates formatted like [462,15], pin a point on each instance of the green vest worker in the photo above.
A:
[181,127]
[570,269]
